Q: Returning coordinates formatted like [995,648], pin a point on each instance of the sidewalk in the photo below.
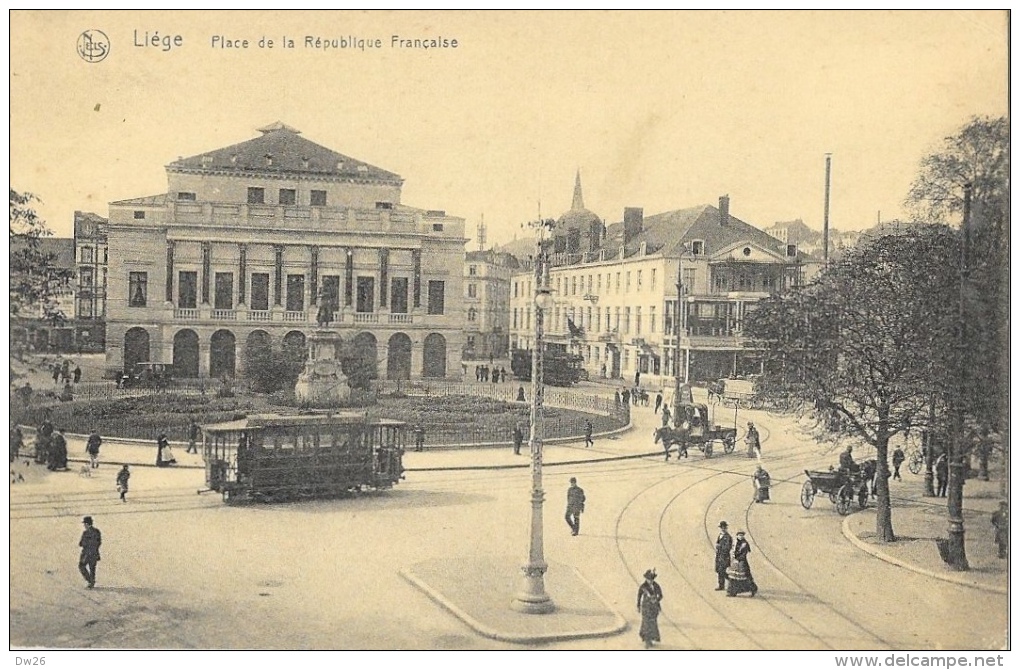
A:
[918,521]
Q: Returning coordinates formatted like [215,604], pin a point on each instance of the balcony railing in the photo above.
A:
[260,315]
[224,315]
[401,318]
[369,317]
[186,313]
[295,317]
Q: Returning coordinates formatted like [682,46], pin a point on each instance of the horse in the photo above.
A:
[869,469]
[670,436]
[716,390]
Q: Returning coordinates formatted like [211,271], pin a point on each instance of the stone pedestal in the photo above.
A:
[322,383]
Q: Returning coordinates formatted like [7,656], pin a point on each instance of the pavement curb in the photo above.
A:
[619,625]
[882,556]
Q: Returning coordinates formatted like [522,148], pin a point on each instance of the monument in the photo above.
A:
[322,383]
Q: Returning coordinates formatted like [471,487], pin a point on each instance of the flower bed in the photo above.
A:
[451,419]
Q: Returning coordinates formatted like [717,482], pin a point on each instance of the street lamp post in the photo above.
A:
[957,555]
[678,326]
[531,598]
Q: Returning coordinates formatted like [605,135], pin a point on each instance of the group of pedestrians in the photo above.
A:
[63,374]
[484,373]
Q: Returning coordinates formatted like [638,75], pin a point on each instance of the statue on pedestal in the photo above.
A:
[322,383]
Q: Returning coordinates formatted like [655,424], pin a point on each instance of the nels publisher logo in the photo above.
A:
[93,46]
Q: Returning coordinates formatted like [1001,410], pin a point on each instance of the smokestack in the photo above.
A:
[724,210]
[633,221]
[825,223]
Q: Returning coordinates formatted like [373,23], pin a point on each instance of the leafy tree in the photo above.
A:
[867,340]
[35,278]
[978,156]
[272,369]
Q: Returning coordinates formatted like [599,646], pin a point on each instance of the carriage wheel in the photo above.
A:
[729,442]
[862,496]
[843,502]
[833,496]
[916,463]
[807,494]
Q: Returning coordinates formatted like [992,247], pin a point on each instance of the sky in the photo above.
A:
[660,110]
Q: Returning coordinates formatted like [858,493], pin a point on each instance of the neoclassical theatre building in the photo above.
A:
[255,243]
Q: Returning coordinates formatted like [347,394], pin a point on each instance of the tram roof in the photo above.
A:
[281,420]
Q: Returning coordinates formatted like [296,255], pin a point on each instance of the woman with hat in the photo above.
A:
[741,579]
[649,597]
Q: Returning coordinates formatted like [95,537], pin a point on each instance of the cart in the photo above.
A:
[838,485]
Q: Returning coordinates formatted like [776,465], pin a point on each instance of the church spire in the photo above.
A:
[578,198]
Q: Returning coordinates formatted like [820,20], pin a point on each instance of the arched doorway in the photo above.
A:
[434,355]
[365,352]
[222,354]
[136,347]
[398,357]
[186,354]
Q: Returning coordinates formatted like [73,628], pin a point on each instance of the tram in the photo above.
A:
[270,458]
[561,368]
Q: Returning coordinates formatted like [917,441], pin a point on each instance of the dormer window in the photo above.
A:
[233,159]
[384,205]
[698,247]
[139,214]
[362,168]
[185,195]
[791,250]
[269,160]
[206,161]
[305,162]
[339,165]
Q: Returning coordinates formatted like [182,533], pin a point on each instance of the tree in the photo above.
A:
[867,340]
[272,369]
[34,276]
[978,156]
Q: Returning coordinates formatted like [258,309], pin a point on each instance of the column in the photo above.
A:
[169,272]
[313,279]
[278,275]
[203,356]
[206,268]
[417,357]
[242,275]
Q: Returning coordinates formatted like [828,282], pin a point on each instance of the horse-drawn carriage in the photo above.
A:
[693,427]
[842,487]
[734,392]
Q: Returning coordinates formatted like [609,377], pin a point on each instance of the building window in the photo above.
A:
[617,282]
[698,248]
[256,195]
[260,291]
[331,291]
[689,276]
[651,319]
[639,280]
[653,279]
[598,283]
[398,295]
[515,318]
[187,289]
[318,198]
[86,277]
[472,314]
[437,296]
[295,293]
[224,298]
[470,342]
[558,286]
[472,270]
[288,196]
[85,305]
[626,288]
[86,255]
[626,320]
[637,320]
[366,294]
[139,214]
[438,227]
[106,256]
[617,329]
[472,291]
[573,286]
[185,195]
[138,289]
[515,289]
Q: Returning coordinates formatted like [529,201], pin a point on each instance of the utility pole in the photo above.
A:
[956,552]
[825,223]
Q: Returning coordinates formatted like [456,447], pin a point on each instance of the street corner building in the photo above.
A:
[616,291]
[259,243]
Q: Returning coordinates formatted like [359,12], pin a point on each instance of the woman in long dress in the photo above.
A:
[649,598]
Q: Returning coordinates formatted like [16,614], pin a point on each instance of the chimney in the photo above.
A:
[633,220]
[724,210]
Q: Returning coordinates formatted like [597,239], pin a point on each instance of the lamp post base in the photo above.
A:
[532,598]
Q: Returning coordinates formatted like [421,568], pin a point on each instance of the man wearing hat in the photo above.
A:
[91,538]
[723,546]
[575,506]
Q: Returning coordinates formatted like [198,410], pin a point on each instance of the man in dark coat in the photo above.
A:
[193,435]
[897,460]
[723,546]
[91,538]
[588,441]
[658,401]
[518,440]
[941,475]
[575,506]
[1000,521]
[92,448]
